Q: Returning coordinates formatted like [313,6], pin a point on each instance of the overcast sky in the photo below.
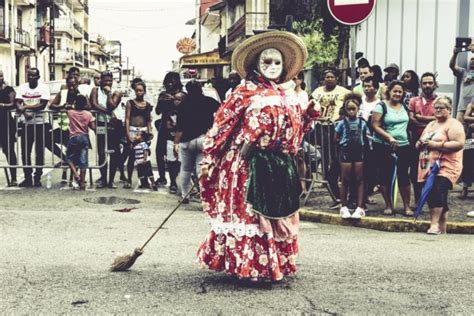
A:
[148,30]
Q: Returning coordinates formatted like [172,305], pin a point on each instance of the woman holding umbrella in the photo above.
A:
[391,143]
[442,141]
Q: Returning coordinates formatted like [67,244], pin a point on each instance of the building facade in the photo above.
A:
[220,27]
[417,35]
[71,38]
[22,38]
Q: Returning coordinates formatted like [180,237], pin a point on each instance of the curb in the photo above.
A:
[383,224]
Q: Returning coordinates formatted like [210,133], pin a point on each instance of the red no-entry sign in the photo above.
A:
[351,12]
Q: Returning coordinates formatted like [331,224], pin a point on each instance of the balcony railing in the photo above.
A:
[21,37]
[3,32]
[63,25]
[64,56]
[67,3]
[78,27]
[246,25]
[79,57]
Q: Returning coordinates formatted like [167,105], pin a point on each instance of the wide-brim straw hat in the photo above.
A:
[292,48]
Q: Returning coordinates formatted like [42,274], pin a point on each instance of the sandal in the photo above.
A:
[409,212]
[387,212]
[371,201]
[433,232]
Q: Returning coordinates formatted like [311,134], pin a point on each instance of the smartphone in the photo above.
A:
[462,43]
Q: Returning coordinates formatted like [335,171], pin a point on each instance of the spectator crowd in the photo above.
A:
[385,135]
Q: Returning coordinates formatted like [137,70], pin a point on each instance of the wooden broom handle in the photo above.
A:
[169,215]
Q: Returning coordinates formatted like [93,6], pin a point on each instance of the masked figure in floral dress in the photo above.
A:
[249,184]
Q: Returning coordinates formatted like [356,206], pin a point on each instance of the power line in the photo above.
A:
[137,10]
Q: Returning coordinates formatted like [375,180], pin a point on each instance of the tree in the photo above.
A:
[325,38]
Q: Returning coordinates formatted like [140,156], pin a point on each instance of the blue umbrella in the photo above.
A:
[427,188]
[394,187]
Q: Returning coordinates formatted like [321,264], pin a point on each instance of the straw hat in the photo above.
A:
[291,47]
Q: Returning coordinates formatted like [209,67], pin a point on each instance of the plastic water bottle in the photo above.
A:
[48,181]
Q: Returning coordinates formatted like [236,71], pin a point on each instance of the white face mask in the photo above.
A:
[270,64]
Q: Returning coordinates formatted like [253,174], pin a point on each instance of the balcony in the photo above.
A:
[22,37]
[64,25]
[64,56]
[78,30]
[246,25]
[67,3]
[29,3]
[78,57]
[79,5]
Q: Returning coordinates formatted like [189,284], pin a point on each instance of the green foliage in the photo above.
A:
[322,51]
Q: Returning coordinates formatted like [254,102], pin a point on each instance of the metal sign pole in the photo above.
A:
[353,61]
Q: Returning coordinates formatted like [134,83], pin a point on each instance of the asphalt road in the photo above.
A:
[56,250]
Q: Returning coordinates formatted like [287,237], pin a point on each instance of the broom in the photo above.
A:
[123,263]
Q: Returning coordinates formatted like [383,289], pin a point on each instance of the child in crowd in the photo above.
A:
[141,147]
[80,121]
[351,135]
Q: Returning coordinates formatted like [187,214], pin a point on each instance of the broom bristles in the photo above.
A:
[123,263]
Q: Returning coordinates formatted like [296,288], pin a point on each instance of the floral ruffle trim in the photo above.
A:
[254,258]
[236,229]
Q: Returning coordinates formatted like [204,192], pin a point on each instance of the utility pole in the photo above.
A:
[128,73]
[12,42]
[198,25]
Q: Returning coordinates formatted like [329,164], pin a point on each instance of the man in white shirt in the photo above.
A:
[31,99]
[369,99]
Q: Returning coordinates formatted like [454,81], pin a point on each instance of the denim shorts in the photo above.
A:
[347,155]
[77,149]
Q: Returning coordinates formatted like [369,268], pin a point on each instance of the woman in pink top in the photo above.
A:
[442,139]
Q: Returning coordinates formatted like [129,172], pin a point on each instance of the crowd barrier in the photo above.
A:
[38,140]
[318,151]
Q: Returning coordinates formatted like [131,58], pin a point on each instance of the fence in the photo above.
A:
[318,151]
[47,130]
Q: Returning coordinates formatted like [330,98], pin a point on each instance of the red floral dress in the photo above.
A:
[241,242]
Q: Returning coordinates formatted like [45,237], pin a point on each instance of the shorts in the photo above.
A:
[145,170]
[77,149]
[438,196]
[351,154]
[385,164]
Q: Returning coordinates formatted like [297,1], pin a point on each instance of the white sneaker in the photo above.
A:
[470,214]
[344,212]
[358,213]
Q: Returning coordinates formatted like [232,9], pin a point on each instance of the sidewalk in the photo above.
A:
[319,201]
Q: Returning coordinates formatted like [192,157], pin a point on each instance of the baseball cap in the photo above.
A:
[392,65]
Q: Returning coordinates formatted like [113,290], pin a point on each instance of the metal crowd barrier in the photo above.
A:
[54,156]
[318,151]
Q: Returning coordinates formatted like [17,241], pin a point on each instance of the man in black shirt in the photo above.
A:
[7,126]
[195,117]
